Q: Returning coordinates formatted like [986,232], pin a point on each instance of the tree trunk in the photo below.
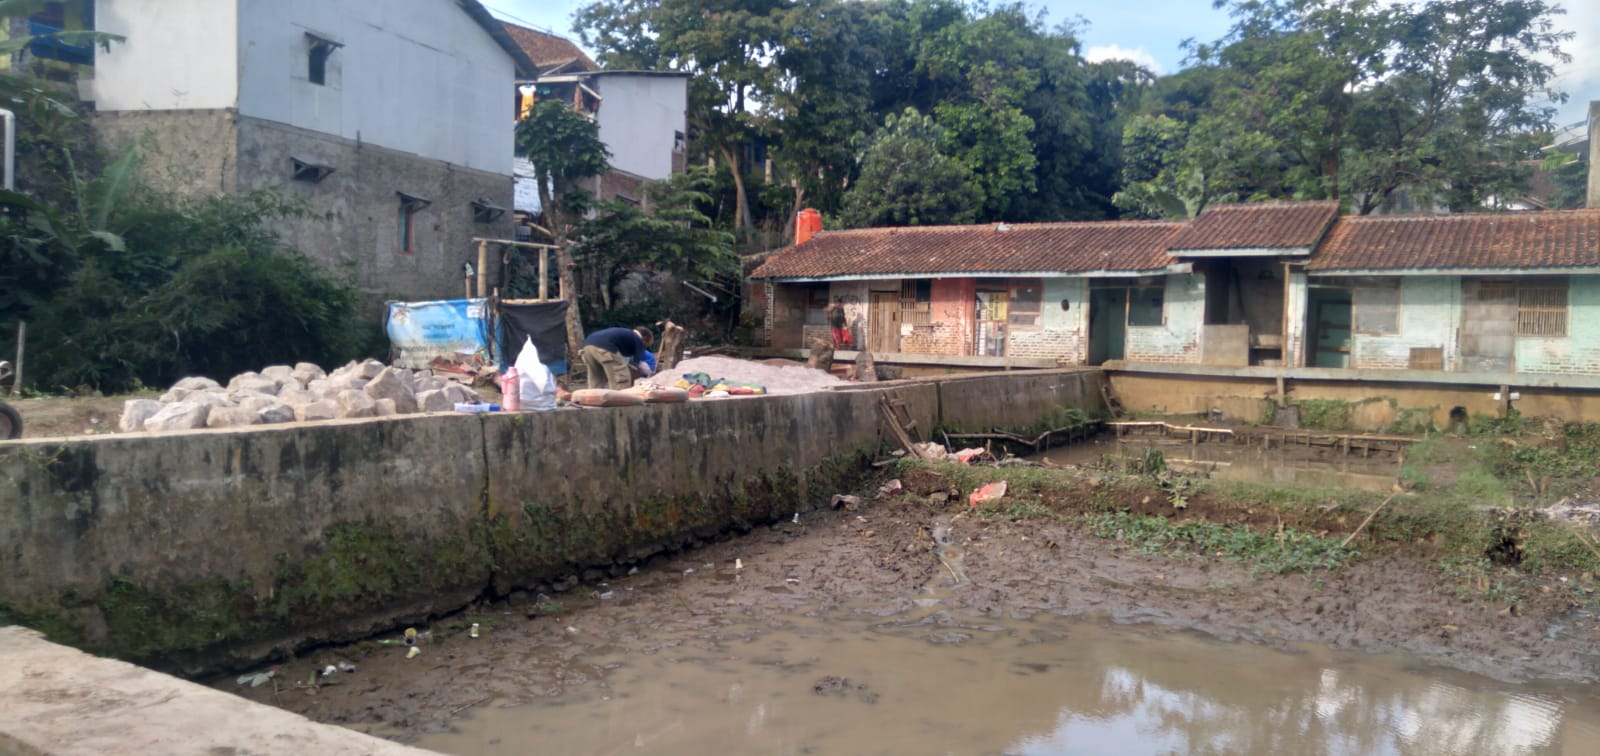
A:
[741,205]
[565,267]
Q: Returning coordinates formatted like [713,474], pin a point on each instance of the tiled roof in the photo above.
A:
[1561,239]
[549,50]
[1258,225]
[1126,246]
[497,32]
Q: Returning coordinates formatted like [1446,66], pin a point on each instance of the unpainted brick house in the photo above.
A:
[1267,285]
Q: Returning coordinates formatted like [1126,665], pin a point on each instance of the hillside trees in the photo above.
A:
[1356,100]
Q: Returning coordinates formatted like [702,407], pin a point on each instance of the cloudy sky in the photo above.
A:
[1152,32]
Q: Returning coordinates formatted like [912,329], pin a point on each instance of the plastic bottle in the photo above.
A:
[511,390]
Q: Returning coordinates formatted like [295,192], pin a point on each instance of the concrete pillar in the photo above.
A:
[1594,151]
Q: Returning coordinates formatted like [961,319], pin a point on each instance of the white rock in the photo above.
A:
[353,403]
[294,396]
[276,413]
[458,394]
[197,383]
[255,402]
[280,373]
[370,369]
[384,407]
[233,385]
[135,412]
[389,384]
[179,416]
[176,394]
[319,386]
[231,417]
[213,398]
[322,409]
[434,401]
[306,372]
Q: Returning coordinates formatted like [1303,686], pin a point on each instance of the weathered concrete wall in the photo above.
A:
[1031,400]
[1372,406]
[1579,351]
[1060,334]
[189,152]
[1177,339]
[361,232]
[1429,315]
[212,548]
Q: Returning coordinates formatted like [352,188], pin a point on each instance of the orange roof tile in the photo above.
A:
[549,50]
[1258,225]
[1123,246]
[1513,240]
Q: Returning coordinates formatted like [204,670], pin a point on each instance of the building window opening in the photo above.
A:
[1542,310]
[410,206]
[1027,302]
[1145,305]
[916,302]
[318,50]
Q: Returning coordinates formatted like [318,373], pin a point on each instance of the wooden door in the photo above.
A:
[884,322]
[1488,326]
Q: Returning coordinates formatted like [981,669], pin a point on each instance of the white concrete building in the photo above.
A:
[390,118]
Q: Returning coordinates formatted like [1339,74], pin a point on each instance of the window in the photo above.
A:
[318,50]
[1377,306]
[916,302]
[1542,309]
[409,207]
[1145,305]
[1027,299]
[817,305]
[308,171]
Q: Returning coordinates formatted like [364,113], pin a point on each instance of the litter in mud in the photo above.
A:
[891,488]
[472,632]
[414,652]
[258,679]
[842,501]
[992,492]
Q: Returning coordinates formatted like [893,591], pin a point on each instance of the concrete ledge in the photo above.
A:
[926,360]
[1515,380]
[62,702]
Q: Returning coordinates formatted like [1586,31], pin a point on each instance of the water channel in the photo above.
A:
[919,679]
[931,684]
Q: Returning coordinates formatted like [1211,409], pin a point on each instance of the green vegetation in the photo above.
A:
[123,286]
[1287,550]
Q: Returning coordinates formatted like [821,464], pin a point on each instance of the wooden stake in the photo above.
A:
[1363,525]
[483,269]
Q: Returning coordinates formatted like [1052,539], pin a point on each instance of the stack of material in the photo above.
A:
[770,377]
[281,394]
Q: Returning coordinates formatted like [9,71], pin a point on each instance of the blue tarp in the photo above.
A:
[456,331]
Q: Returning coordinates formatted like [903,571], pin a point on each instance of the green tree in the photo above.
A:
[906,180]
[668,232]
[564,147]
[1362,98]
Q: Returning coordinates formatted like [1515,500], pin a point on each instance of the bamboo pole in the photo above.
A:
[483,268]
[22,344]
[544,274]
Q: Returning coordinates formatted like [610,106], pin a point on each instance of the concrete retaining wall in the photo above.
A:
[208,549]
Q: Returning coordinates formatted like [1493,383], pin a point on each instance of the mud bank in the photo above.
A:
[909,557]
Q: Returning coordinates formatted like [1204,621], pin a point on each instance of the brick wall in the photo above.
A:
[1061,331]
[1177,340]
[951,309]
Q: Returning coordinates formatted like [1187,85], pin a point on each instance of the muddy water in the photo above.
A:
[1292,466]
[929,683]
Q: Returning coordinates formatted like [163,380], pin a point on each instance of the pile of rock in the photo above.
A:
[281,394]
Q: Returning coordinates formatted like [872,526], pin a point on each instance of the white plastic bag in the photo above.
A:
[538,386]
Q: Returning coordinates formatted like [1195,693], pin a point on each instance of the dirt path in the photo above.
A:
[71,416]
[878,560]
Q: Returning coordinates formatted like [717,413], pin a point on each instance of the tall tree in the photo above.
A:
[1363,98]
[564,147]
[907,180]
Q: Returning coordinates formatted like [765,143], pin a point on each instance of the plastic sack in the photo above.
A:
[538,386]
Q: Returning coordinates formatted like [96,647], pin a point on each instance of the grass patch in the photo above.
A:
[1279,552]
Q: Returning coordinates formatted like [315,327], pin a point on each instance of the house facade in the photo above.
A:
[389,119]
[642,115]
[1261,290]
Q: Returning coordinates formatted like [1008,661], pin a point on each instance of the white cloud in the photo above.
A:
[1118,52]
[1580,79]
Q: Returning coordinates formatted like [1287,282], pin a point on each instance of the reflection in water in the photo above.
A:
[937,685]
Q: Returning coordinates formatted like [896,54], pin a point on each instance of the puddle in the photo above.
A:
[935,684]
[1292,466]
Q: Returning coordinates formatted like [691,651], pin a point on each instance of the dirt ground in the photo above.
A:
[49,417]
[881,559]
